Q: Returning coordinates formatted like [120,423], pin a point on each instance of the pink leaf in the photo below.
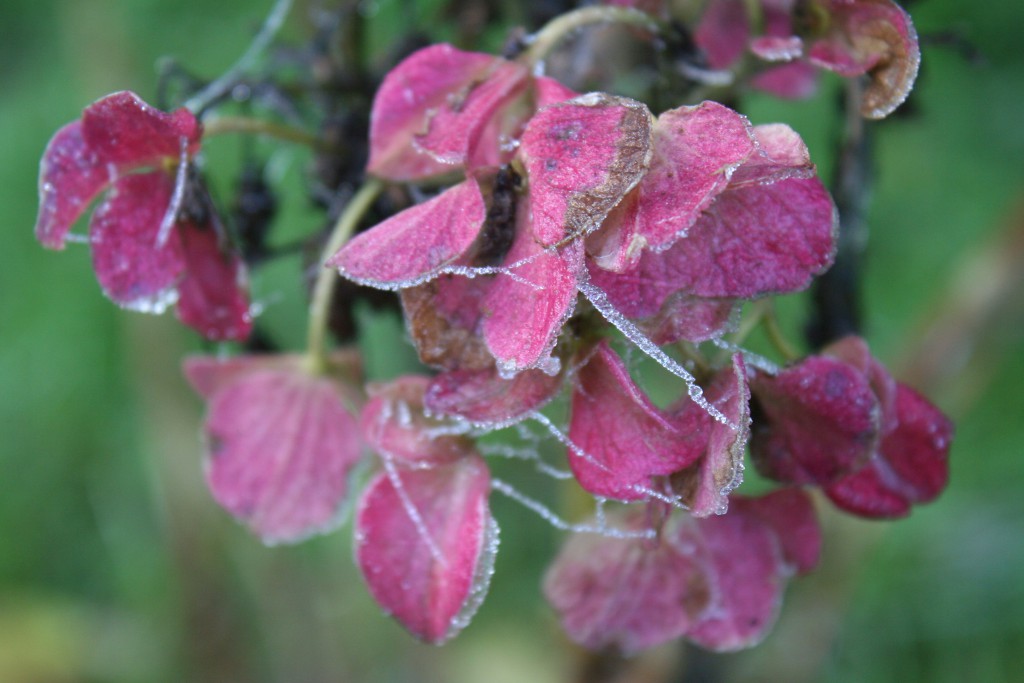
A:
[525,308]
[793,81]
[705,485]
[626,438]
[123,130]
[435,79]
[690,318]
[723,32]
[790,513]
[821,421]
[394,425]
[132,268]
[630,593]
[70,176]
[412,246]
[425,543]
[581,158]
[911,465]
[281,444]
[213,295]
[484,398]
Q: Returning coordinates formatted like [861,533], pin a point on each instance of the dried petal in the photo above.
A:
[443,317]
[412,246]
[630,593]
[133,268]
[395,426]
[213,294]
[626,438]
[484,398]
[581,158]
[281,444]
[425,544]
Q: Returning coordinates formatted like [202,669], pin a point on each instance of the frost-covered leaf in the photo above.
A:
[821,421]
[790,513]
[70,177]
[626,438]
[213,295]
[395,426]
[425,544]
[627,593]
[688,317]
[581,158]
[525,308]
[280,446]
[439,89]
[484,398]
[125,131]
[133,268]
[413,245]
[705,485]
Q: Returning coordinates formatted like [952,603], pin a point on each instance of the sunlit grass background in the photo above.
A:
[115,565]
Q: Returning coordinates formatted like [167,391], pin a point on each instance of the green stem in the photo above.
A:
[545,39]
[251,126]
[323,290]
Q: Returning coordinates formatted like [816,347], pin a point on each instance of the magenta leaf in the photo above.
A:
[213,294]
[425,543]
[525,308]
[412,246]
[624,438]
[687,317]
[280,445]
[581,158]
[484,398]
[705,485]
[911,465]
[438,82]
[123,130]
[821,421]
[395,426]
[70,176]
[723,32]
[790,513]
[792,81]
[696,151]
[133,269]
[627,593]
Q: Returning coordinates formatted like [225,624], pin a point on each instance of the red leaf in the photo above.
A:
[426,549]
[213,294]
[395,426]
[790,513]
[484,398]
[281,444]
[630,593]
[134,270]
[70,177]
[123,130]
[581,158]
[626,438]
[412,246]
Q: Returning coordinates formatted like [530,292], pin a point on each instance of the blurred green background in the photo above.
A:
[115,565]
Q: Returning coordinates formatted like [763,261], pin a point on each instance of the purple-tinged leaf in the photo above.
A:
[626,438]
[412,246]
[581,158]
[549,91]
[484,398]
[690,318]
[790,513]
[705,485]
[821,422]
[443,317]
[746,575]
[123,130]
[280,446]
[425,543]
[627,593]
[525,309]
[792,81]
[395,426]
[213,294]
[910,467]
[428,81]
[723,32]
[133,269]
[70,176]
[696,151]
